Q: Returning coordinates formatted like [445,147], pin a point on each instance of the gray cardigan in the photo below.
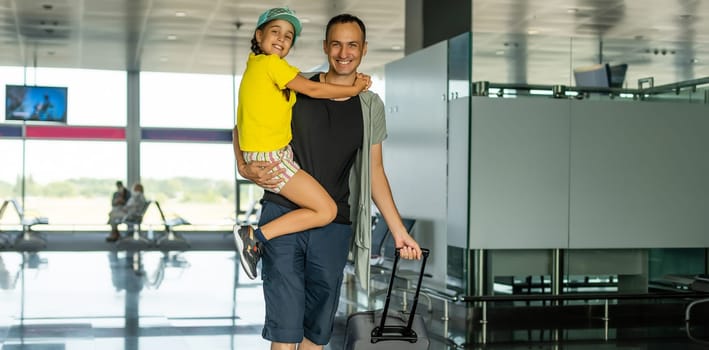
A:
[360,185]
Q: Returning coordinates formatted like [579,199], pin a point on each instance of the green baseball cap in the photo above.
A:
[283,13]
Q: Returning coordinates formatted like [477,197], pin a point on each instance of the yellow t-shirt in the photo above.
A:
[264,114]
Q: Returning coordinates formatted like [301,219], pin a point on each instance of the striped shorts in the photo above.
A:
[283,156]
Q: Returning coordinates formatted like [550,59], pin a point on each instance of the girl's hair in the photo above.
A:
[254,45]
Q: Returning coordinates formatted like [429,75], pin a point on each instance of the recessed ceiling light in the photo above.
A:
[572,10]
[172,37]
[500,52]
[163,59]
[180,14]
[532,32]
[396,47]
[305,20]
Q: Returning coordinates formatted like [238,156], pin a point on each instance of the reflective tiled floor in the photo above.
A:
[202,300]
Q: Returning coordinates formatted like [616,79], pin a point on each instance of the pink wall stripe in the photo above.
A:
[75,132]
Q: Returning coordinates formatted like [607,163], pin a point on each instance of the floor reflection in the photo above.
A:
[202,300]
[128,301]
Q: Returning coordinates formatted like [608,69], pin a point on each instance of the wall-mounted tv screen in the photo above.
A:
[41,103]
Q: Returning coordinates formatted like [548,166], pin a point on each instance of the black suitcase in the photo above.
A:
[369,330]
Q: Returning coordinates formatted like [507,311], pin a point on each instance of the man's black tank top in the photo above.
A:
[326,137]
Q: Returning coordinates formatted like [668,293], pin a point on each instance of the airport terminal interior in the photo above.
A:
[550,155]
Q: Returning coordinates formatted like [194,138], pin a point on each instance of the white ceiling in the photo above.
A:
[150,36]
[539,42]
[515,41]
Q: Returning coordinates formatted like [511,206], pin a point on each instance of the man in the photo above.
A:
[118,200]
[339,144]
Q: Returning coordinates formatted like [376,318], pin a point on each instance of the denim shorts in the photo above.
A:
[302,274]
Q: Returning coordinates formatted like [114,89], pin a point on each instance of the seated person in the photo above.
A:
[121,196]
[134,206]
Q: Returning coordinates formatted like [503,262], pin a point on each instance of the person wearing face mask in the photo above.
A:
[133,207]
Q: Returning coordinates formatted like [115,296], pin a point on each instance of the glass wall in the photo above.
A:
[10,174]
[192,180]
[560,167]
[70,182]
[186,100]
[551,60]
[70,170]
[95,97]
[68,174]
[9,75]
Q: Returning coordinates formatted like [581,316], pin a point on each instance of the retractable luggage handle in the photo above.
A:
[383,332]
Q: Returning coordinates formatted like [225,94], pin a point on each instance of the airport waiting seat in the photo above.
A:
[4,241]
[171,240]
[27,239]
[30,240]
[134,239]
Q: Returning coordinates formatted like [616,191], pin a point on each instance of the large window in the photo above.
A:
[9,76]
[10,168]
[70,182]
[95,97]
[186,100]
[69,172]
[191,180]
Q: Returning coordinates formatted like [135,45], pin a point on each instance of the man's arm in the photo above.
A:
[257,172]
[383,199]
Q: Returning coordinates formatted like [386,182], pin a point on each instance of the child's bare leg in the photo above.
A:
[316,207]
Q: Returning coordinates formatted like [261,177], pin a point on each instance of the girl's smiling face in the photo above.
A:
[276,37]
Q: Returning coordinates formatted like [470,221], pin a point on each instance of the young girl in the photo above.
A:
[266,96]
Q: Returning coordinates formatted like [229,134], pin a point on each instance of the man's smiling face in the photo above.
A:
[345,47]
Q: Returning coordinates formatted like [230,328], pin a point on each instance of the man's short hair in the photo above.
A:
[119,183]
[346,18]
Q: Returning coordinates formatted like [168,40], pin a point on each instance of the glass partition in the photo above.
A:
[545,66]
[570,157]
